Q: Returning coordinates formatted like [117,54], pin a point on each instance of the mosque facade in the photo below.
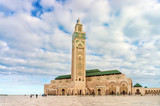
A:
[94,81]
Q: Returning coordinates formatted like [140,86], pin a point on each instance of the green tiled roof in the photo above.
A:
[93,72]
[63,77]
[145,87]
[137,85]
[103,73]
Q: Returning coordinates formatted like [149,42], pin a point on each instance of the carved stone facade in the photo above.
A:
[98,85]
[91,82]
[145,91]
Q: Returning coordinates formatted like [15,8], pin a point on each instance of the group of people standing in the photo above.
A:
[33,95]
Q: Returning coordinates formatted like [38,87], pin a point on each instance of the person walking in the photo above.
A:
[36,95]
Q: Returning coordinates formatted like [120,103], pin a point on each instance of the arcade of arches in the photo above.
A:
[102,89]
[146,91]
[93,87]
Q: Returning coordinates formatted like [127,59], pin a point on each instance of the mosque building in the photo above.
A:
[94,81]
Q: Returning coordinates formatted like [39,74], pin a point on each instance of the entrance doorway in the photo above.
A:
[63,92]
[112,89]
[80,92]
[93,92]
[99,91]
[112,93]
[138,92]
[123,89]
[123,92]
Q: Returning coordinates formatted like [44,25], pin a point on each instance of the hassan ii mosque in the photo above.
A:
[94,81]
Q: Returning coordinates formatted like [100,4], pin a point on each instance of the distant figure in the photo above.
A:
[31,96]
[43,95]
[36,95]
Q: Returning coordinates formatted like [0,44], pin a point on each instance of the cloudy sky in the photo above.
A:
[35,40]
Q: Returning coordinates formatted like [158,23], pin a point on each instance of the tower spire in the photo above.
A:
[78,21]
[78,26]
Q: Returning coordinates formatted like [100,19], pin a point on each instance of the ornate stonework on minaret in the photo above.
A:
[78,74]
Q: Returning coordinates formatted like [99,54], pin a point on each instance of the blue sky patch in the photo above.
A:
[48,9]
[106,24]
[6,10]
[63,29]
[136,43]
[117,13]
[95,54]
[39,10]
[61,1]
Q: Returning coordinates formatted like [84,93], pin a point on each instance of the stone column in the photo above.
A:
[129,90]
[117,90]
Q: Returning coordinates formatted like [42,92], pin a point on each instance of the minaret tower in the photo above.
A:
[78,74]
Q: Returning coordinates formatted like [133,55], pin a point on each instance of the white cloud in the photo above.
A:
[3,46]
[17,5]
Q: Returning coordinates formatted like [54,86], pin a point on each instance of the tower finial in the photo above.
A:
[78,20]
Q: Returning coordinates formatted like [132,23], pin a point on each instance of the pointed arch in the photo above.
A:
[123,87]
[112,88]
